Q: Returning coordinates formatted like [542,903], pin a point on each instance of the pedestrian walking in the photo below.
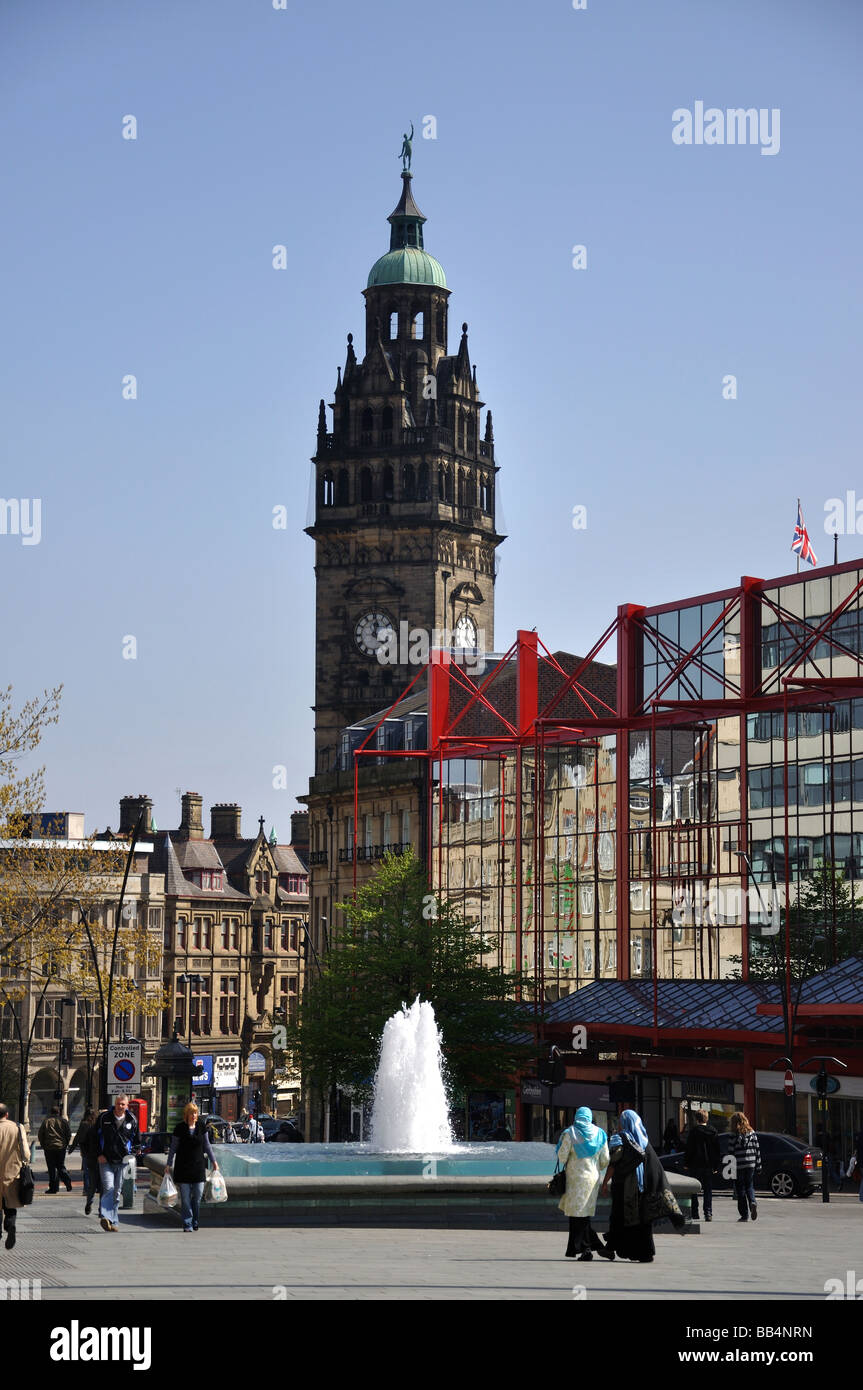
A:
[187,1164]
[117,1135]
[633,1175]
[858,1154]
[86,1141]
[671,1142]
[747,1160]
[14,1153]
[54,1135]
[702,1158]
[583,1151]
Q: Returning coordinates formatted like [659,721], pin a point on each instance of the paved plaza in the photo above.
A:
[793,1249]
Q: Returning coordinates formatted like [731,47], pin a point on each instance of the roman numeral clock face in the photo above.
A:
[372,630]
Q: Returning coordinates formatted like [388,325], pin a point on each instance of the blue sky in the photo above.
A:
[259,127]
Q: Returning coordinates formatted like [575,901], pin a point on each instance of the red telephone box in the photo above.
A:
[139,1110]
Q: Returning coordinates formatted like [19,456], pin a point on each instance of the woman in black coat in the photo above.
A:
[86,1141]
[187,1163]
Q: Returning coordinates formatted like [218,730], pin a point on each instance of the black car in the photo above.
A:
[155,1141]
[789,1167]
[287,1133]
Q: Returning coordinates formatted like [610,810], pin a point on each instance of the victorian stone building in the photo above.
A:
[405,540]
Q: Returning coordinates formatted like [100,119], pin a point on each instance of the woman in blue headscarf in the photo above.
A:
[583,1151]
[630,1160]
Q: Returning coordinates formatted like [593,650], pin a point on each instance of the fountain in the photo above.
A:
[412,1173]
[411,1111]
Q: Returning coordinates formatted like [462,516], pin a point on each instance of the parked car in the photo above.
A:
[269,1124]
[217,1128]
[155,1141]
[287,1133]
[789,1167]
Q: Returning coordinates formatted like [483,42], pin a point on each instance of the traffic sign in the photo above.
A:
[124,1068]
[789,1083]
[832,1084]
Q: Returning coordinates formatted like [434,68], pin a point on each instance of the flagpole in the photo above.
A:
[798,553]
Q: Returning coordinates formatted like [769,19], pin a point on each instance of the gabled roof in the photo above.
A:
[177,886]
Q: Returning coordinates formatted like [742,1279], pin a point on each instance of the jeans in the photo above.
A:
[705,1177]
[190,1202]
[56,1161]
[112,1187]
[744,1191]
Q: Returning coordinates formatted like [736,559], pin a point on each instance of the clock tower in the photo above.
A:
[404,525]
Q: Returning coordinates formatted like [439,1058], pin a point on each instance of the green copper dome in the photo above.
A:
[406,263]
[407,266]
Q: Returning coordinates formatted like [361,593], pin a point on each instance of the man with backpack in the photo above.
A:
[702,1160]
[117,1136]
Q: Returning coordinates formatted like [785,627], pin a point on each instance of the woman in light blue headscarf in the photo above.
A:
[583,1151]
[630,1153]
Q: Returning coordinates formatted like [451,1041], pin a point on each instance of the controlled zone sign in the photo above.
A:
[124,1068]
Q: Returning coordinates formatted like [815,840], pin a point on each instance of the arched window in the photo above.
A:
[470,434]
[423,484]
[342,489]
[387,484]
[469,490]
[327,490]
[366,425]
[387,425]
[484,493]
[394,325]
[408,482]
[441,326]
[461,488]
[441,484]
[365,485]
[418,324]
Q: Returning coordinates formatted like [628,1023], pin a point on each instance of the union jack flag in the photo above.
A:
[801,544]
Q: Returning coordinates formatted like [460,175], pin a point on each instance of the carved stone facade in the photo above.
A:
[404,524]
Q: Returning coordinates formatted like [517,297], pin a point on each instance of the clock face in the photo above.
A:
[465,632]
[372,630]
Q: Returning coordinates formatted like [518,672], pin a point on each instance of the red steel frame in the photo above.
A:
[534,728]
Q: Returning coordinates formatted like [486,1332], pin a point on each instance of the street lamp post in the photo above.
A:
[187,981]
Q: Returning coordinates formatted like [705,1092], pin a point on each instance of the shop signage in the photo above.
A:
[204,1077]
[706,1088]
[226,1072]
[257,1063]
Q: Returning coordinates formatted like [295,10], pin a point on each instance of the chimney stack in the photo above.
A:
[225,821]
[300,829]
[192,822]
[130,809]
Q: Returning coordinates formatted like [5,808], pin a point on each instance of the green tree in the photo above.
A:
[822,914]
[402,941]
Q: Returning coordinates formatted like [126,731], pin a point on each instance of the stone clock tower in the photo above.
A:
[404,526]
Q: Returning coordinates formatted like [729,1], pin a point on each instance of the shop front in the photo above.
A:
[545,1109]
[718,1098]
[839,1115]
[226,1085]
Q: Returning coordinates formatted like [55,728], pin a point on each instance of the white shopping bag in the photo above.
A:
[168,1194]
[216,1189]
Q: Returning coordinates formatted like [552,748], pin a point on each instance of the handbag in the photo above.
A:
[557,1183]
[26,1185]
[852,1166]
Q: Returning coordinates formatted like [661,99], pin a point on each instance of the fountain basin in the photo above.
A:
[470,1186]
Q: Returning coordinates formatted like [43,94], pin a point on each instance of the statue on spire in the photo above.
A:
[405,151]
